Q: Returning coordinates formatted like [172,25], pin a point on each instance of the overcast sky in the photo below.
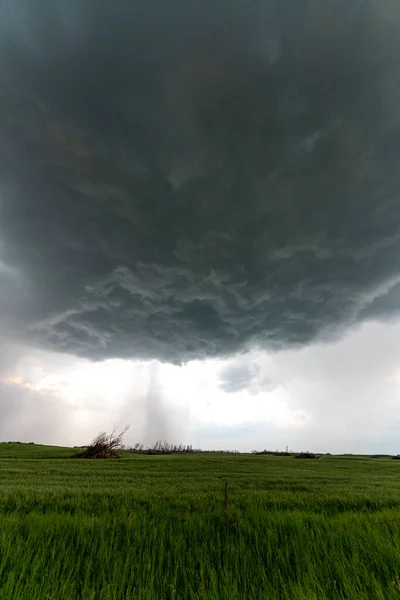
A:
[200,222]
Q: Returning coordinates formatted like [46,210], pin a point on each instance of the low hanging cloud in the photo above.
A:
[253,372]
[187,181]
[237,377]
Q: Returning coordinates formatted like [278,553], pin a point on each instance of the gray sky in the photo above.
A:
[182,183]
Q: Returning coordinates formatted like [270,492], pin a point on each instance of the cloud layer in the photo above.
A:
[181,180]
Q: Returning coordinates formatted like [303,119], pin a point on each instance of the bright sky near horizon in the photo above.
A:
[338,397]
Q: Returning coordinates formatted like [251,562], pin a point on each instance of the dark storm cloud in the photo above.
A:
[181,179]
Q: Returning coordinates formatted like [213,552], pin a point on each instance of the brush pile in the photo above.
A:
[105,445]
[307,455]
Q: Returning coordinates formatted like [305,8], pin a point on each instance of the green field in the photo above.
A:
[154,527]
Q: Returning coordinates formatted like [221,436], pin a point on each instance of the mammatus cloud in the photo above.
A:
[181,181]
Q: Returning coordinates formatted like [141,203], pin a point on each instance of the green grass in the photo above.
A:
[19,450]
[154,527]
